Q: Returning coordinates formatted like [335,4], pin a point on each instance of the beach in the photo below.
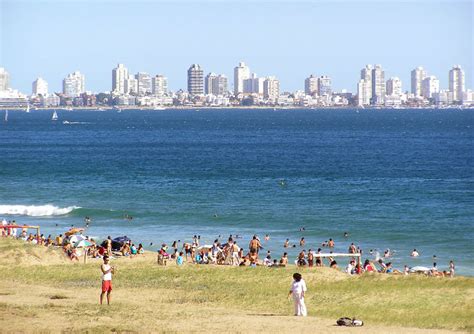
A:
[43,291]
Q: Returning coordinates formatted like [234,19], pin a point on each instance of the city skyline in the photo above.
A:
[291,51]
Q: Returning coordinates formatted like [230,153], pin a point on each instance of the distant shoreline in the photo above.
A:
[165,108]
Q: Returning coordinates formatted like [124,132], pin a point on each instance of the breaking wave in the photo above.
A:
[36,210]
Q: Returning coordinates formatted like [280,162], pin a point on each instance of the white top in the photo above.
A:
[108,276]
[298,287]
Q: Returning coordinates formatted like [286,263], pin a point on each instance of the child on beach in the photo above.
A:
[298,290]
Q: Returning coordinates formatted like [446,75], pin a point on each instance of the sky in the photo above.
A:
[287,39]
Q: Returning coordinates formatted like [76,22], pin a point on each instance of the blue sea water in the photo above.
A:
[398,179]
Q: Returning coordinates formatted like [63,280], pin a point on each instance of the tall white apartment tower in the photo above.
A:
[119,77]
[456,82]
[131,85]
[195,80]
[144,83]
[365,87]
[241,73]
[4,79]
[364,92]
[378,85]
[311,85]
[417,76]
[394,86]
[429,86]
[271,88]
[40,87]
[160,85]
[74,84]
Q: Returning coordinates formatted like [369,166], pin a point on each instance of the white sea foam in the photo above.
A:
[35,210]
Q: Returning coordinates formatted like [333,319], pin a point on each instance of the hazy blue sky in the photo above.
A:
[288,39]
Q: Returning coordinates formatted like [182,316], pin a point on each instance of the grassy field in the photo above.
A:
[41,291]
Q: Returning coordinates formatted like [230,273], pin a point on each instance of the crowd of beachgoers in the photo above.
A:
[76,245]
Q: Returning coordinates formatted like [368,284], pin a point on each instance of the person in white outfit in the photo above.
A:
[298,290]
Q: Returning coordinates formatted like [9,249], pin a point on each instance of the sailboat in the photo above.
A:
[6,115]
[55,116]
[27,108]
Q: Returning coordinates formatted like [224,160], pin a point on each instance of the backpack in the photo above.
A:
[344,321]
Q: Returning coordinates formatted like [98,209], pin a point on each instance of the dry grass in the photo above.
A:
[148,298]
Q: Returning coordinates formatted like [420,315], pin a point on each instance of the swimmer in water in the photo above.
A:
[267,237]
[415,253]
[287,243]
[346,235]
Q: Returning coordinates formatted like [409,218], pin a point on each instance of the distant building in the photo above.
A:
[364,92]
[364,87]
[253,85]
[241,73]
[4,79]
[74,84]
[50,100]
[324,85]
[119,78]
[40,87]
[394,86]
[144,83]
[131,85]
[311,85]
[271,88]
[160,85]
[429,86]
[456,83]
[417,76]
[215,84]
[378,85]
[195,80]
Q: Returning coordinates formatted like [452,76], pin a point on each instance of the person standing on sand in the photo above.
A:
[109,245]
[107,272]
[298,290]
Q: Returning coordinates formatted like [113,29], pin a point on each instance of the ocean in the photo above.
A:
[392,179]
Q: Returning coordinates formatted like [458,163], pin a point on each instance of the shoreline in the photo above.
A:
[167,108]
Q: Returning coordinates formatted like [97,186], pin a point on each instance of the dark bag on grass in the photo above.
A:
[344,321]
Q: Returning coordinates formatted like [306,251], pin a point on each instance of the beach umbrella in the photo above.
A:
[73,231]
[76,238]
[83,243]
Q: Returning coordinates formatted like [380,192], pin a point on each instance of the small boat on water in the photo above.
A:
[55,116]
[6,115]
[27,108]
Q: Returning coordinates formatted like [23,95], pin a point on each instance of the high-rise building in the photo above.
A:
[160,85]
[253,85]
[271,88]
[241,73]
[311,85]
[40,87]
[429,86]
[144,83]
[208,83]
[364,92]
[195,80]
[417,76]
[4,79]
[119,76]
[394,86]
[74,84]
[324,85]
[215,84]
[364,87]
[378,85]
[131,85]
[456,82]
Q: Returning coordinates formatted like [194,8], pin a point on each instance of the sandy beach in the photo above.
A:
[42,290]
